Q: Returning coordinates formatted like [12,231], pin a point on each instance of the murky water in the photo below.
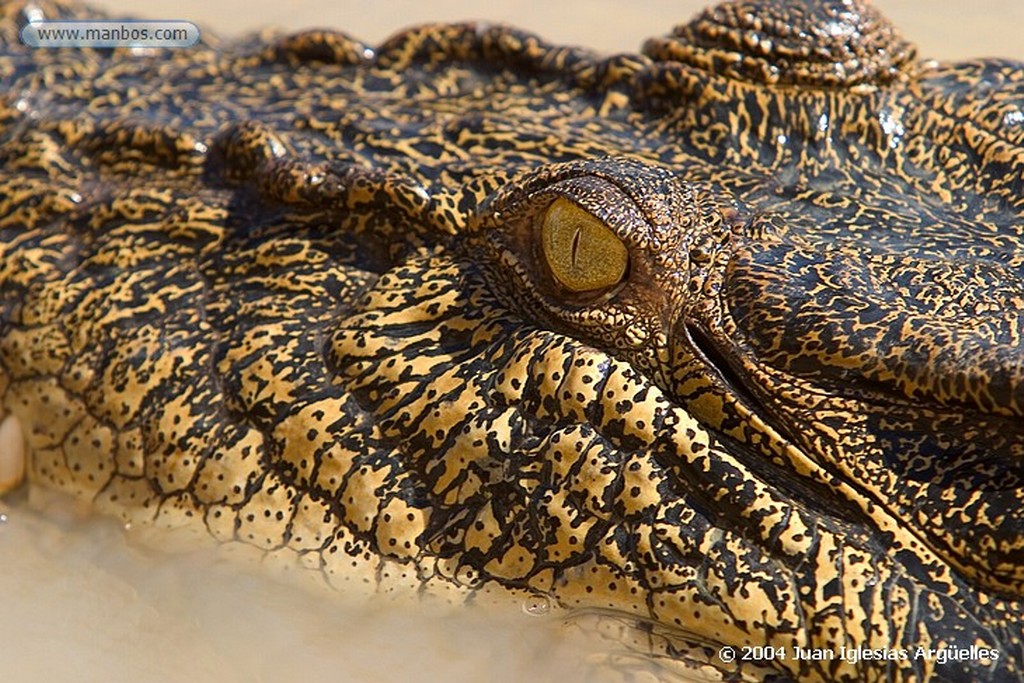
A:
[81,601]
[84,601]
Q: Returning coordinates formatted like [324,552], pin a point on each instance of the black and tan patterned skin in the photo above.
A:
[290,290]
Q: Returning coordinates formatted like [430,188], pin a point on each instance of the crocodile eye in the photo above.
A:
[581,252]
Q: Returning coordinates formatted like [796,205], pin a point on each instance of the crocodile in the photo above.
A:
[722,339]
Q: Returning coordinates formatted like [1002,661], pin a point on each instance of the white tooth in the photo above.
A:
[12,454]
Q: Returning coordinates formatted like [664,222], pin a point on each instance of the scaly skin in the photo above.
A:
[292,290]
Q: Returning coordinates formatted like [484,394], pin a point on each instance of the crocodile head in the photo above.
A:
[722,340]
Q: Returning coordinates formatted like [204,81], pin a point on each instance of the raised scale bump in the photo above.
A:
[834,44]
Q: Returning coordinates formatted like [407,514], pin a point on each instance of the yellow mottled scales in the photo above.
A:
[716,347]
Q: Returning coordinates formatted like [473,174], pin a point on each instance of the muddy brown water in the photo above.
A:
[82,600]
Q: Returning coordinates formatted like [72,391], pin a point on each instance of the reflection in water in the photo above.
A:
[83,602]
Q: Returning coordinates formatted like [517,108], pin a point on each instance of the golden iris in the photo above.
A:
[583,254]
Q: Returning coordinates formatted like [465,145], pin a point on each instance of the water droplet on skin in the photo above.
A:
[3,518]
[537,605]
[1013,118]
[34,13]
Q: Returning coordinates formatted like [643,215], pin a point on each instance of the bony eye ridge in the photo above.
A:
[581,252]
